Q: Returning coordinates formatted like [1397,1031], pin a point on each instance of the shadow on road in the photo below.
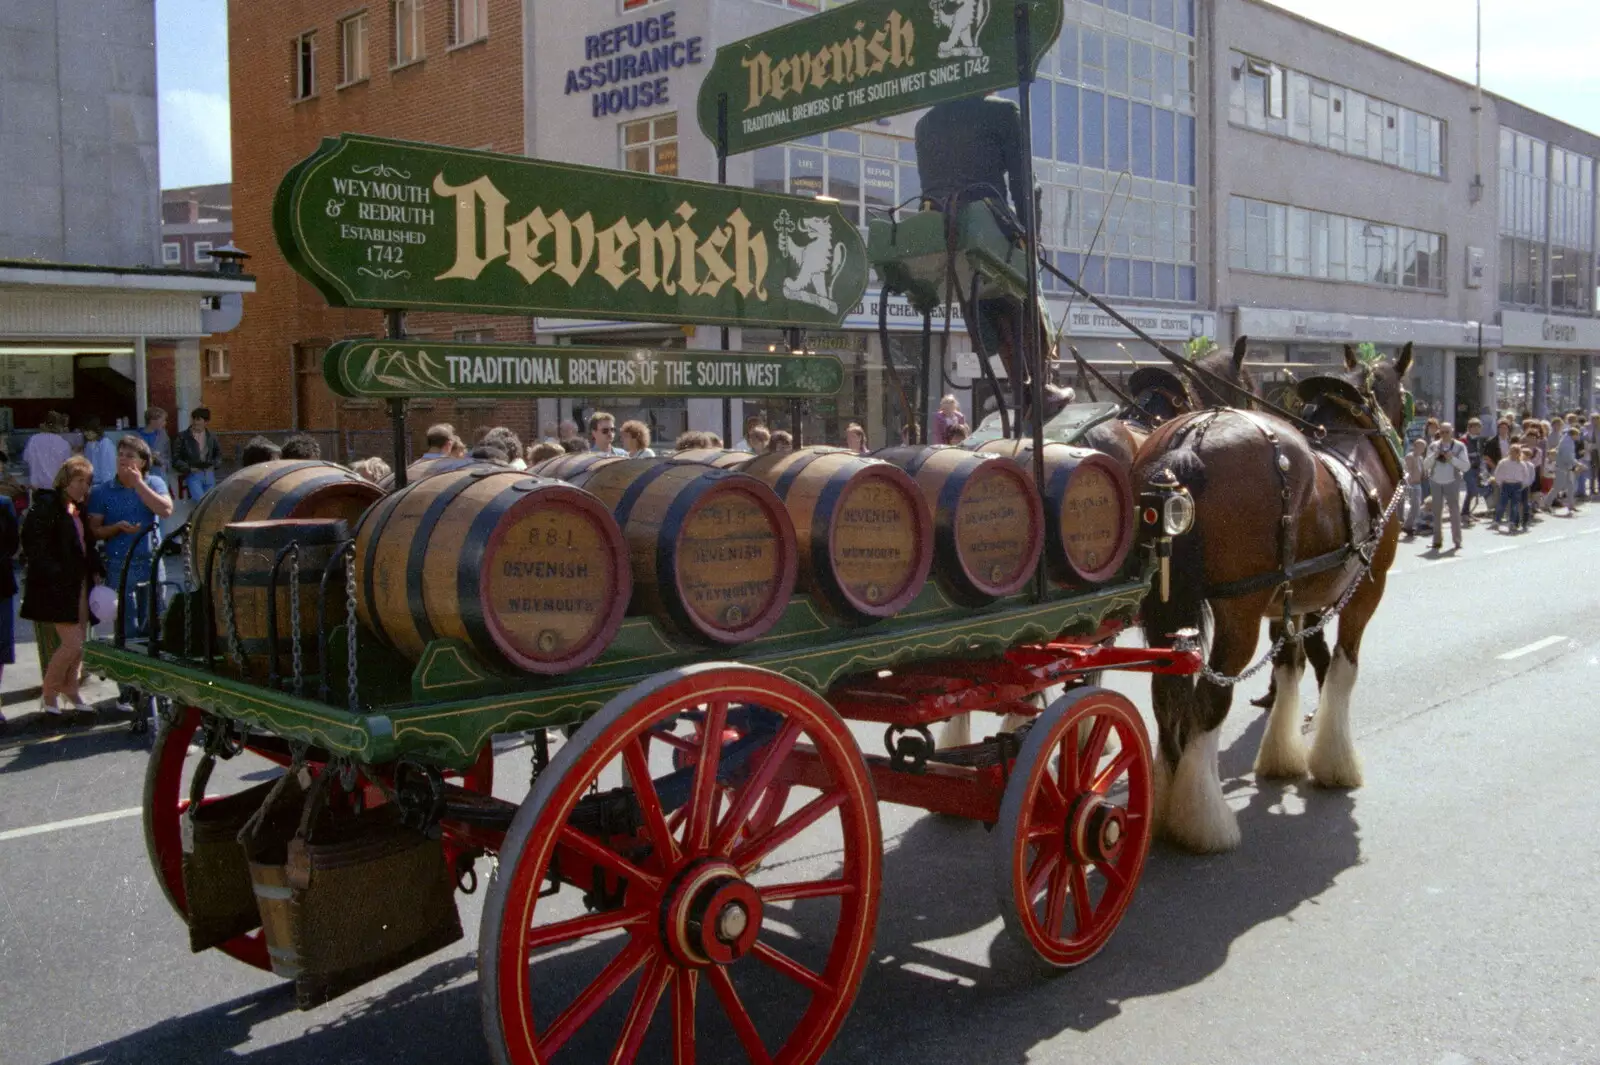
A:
[40,746]
[918,1003]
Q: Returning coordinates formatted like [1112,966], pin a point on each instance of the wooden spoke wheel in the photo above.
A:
[1074,825]
[684,929]
[166,797]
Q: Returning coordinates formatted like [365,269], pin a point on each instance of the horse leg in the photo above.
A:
[1334,762]
[1283,752]
[1197,817]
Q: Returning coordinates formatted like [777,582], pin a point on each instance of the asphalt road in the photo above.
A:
[1448,912]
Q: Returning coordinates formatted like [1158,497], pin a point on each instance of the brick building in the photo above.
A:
[445,72]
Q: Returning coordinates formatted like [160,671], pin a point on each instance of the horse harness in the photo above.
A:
[1362,507]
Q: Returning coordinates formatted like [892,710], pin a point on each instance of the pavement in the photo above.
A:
[1446,913]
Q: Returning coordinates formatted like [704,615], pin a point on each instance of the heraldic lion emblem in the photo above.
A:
[820,260]
[965,20]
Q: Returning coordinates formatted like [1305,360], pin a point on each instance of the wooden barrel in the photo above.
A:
[714,456]
[1088,509]
[427,467]
[531,573]
[249,553]
[865,548]
[566,467]
[288,488]
[988,523]
[713,551]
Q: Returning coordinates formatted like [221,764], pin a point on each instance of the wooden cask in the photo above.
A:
[714,456]
[427,467]
[566,467]
[288,488]
[531,573]
[988,523]
[713,551]
[1088,509]
[251,550]
[865,543]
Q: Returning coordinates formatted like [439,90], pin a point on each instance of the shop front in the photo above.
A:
[106,343]
[1450,364]
[1548,363]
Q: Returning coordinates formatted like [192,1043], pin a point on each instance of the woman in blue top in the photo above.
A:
[125,513]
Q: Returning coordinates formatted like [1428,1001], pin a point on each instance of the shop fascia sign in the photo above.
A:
[388,369]
[393,224]
[863,61]
[1551,331]
[1318,327]
[625,68]
[1087,321]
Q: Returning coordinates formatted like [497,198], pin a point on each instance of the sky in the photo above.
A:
[1539,53]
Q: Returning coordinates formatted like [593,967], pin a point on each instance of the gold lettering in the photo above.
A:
[844,67]
[902,38]
[800,67]
[525,235]
[614,242]
[780,80]
[718,272]
[819,69]
[760,68]
[687,282]
[880,54]
[569,266]
[859,44]
[749,257]
[469,264]
[657,254]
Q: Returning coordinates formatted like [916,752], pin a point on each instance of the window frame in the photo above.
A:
[303,66]
[419,34]
[216,356]
[651,144]
[344,24]
[481,8]
[1280,240]
[172,245]
[202,251]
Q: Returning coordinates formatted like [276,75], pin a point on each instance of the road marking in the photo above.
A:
[1552,539]
[1503,550]
[1537,645]
[1589,532]
[1441,560]
[76,822]
[1393,572]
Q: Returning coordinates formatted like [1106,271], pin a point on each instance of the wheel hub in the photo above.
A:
[711,915]
[1096,829]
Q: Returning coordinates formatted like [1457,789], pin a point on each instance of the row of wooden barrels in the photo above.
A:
[536,570]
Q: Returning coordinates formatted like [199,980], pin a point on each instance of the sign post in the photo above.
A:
[384,224]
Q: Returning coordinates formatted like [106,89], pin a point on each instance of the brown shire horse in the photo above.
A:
[1159,395]
[1275,514]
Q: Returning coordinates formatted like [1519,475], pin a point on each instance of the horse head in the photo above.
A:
[1158,392]
[1229,366]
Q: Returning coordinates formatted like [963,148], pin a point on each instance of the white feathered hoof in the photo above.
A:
[1334,762]
[1283,752]
[1197,817]
[957,732]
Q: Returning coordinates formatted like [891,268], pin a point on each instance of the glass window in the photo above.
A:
[1116,133]
[650,146]
[305,66]
[769,169]
[407,31]
[1067,123]
[1116,63]
[1165,151]
[1094,127]
[469,21]
[1279,239]
[1140,138]
[1186,150]
[353,49]
[172,253]
[1039,97]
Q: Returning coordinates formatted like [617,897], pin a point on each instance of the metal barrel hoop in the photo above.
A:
[350,627]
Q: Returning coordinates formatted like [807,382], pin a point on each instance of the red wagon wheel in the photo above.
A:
[1074,825]
[166,796]
[751,940]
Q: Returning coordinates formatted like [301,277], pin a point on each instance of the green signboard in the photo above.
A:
[398,369]
[392,224]
[864,61]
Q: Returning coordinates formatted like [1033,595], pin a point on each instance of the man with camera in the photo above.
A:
[1446,466]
